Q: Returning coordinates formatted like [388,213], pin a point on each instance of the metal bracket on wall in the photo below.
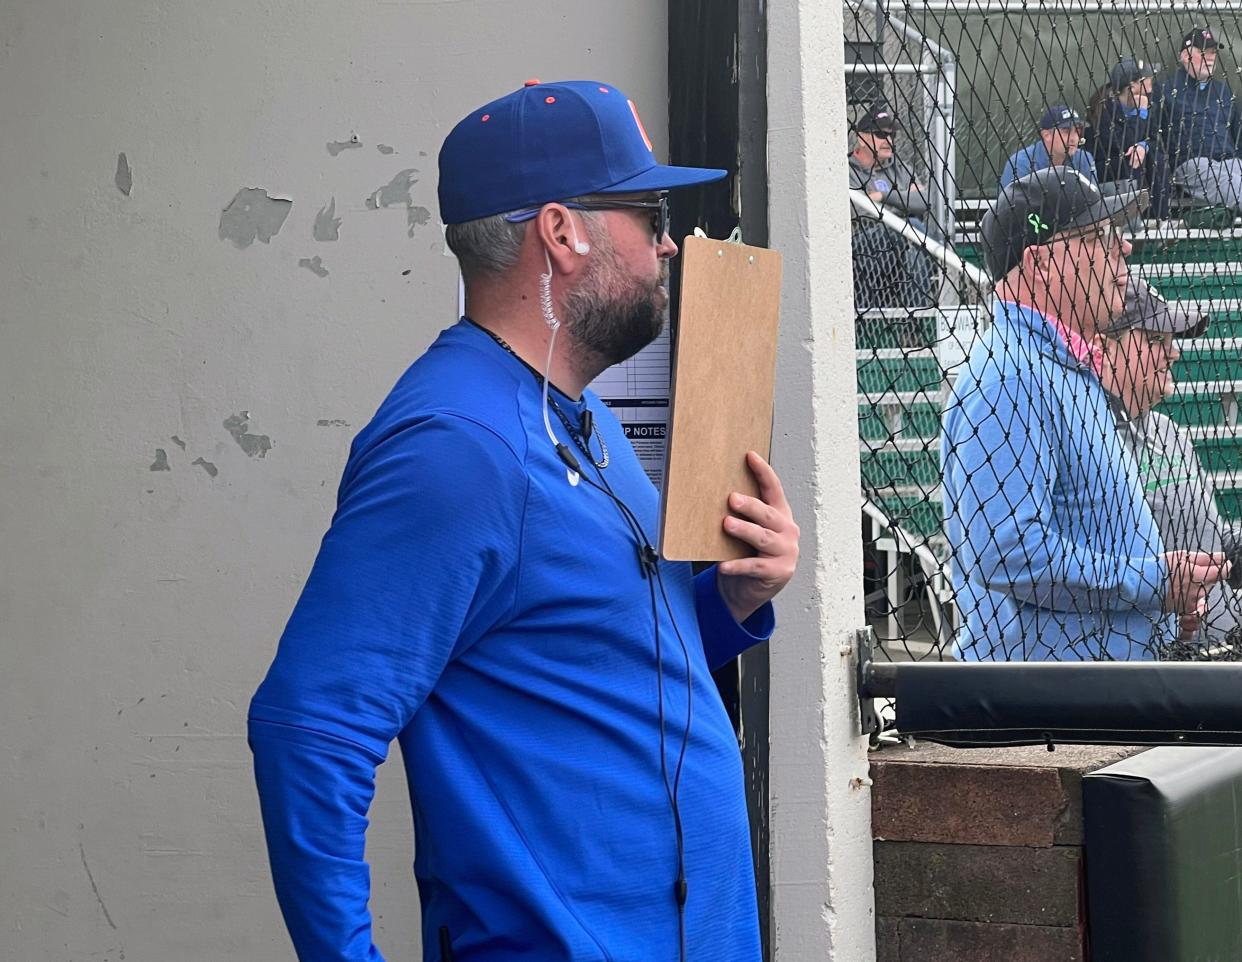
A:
[864,651]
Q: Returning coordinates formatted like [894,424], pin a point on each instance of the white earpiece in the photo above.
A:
[580,246]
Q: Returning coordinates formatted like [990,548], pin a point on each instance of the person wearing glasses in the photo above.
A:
[889,271]
[1060,142]
[1138,352]
[1056,553]
[488,596]
[1200,125]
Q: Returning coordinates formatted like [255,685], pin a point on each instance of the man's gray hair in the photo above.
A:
[489,245]
[492,245]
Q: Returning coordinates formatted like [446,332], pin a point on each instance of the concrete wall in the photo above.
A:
[818,783]
[176,409]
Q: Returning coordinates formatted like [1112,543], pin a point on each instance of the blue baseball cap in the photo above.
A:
[549,142]
[1060,117]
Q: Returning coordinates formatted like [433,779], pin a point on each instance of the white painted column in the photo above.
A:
[820,804]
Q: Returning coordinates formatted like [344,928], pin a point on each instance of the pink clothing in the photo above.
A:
[1083,352]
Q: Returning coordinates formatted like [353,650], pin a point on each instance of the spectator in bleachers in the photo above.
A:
[1200,124]
[1056,552]
[888,270]
[1138,352]
[1125,146]
[1060,137]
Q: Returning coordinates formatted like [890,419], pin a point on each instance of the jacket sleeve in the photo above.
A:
[724,638]
[1002,454]
[1010,173]
[418,562]
[1231,541]
[907,196]
[1235,122]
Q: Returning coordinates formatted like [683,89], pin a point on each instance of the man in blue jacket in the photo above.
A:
[1056,553]
[488,596]
[1200,124]
[1060,139]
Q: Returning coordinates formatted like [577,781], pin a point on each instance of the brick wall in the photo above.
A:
[978,853]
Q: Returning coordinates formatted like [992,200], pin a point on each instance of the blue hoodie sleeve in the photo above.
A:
[1002,455]
[420,559]
[724,638]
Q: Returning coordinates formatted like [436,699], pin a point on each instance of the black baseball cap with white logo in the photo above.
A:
[1147,310]
[1035,208]
[1203,38]
[878,120]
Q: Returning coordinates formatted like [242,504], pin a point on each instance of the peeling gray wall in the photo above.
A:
[177,409]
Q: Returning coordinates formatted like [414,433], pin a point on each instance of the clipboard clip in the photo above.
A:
[735,236]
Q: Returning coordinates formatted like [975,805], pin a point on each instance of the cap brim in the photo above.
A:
[1175,321]
[664,177]
[1120,208]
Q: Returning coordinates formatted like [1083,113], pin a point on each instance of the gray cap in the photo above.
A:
[1147,310]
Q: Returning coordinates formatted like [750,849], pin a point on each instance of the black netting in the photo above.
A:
[1039,481]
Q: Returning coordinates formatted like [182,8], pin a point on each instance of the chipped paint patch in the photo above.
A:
[255,445]
[327,224]
[385,149]
[124,176]
[332,423]
[416,217]
[161,461]
[396,192]
[178,442]
[314,265]
[253,214]
[207,466]
[336,146]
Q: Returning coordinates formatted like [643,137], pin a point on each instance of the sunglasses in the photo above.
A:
[658,208]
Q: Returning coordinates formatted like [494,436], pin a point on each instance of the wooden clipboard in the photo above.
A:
[723,381]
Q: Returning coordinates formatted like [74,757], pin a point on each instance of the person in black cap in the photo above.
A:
[1138,352]
[1200,124]
[1060,136]
[489,595]
[888,270]
[1056,552]
[1126,147]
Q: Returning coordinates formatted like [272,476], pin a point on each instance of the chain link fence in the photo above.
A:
[1047,475]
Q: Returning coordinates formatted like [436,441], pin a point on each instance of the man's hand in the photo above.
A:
[767,525]
[1137,155]
[876,196]
[1191,574]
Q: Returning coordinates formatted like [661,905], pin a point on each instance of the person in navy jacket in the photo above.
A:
[1060,142]
[1126,147]
[1200,125]
[488,596]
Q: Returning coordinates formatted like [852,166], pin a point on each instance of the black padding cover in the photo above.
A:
[1163,837]
[1094,703]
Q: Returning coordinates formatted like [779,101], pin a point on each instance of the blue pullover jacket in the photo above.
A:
[1119,129]
[1034,157]
[473,604]
[1196,119]
[1056,553]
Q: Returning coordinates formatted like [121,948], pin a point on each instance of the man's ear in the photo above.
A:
[554,231]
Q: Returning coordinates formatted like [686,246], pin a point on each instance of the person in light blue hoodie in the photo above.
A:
[1056,554]
[1060,142]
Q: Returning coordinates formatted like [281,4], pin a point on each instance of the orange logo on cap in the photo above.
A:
[641,129]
